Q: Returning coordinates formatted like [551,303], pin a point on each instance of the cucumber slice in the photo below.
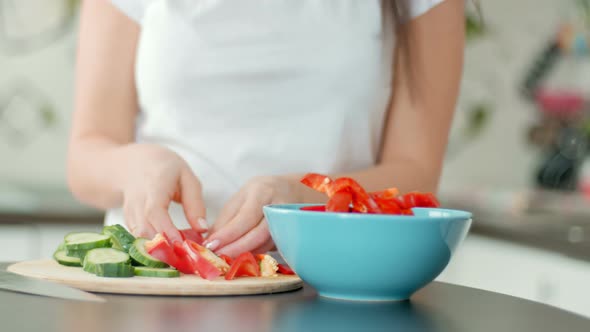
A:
[144,271]
[114,270]
[120,238]
[86,241]
[108,262]
[88,267]
[62,258]
[76,253]
[138,253]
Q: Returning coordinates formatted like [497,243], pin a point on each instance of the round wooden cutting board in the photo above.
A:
[184,285]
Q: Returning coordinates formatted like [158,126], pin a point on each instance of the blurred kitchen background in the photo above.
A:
[518,158]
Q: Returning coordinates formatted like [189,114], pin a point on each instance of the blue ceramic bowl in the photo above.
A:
[366,257]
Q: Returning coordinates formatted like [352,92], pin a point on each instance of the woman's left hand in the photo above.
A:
[241,225]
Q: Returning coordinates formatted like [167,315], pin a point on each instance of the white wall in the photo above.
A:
[50,70]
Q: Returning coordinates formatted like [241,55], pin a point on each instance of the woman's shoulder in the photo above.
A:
[134,9]
[414,8]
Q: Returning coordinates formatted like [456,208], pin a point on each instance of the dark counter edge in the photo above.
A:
[48,219]
[546,234]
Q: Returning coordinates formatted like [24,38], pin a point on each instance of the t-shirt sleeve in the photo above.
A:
[414,8]
[134,9]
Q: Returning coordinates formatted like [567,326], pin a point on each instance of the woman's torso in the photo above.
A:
[262,87]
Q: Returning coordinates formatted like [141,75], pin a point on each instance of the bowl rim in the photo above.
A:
[295,208]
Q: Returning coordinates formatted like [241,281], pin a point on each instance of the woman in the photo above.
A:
[196,110]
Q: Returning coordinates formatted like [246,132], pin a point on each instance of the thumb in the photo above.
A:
[192,201]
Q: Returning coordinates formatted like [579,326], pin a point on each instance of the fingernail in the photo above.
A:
[212,245]
[203,223]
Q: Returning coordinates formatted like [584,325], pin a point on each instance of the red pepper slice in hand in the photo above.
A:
[317,182]
[226,258]
[161,249]
[284,269]
[244,265]
[202,266]
[185,263]
[340,201]
[191,234]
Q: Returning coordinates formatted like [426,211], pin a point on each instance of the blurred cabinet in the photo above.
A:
[52,235]
[35,241]
[18,241]
[521,271]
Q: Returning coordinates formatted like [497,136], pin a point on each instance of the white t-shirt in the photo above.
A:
[262,87]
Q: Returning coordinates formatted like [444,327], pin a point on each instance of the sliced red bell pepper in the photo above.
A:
[388,206]
[161,249]
[385,201]
[284,269]
[203,267]
[385,194]
[340,201]
[418,199]
[319,208]
[244,265]
[316,181]
[427,200]
[401,203]
[410,200]
[185,263]
[191,234]
[226,258]
[408,212]
[361,201]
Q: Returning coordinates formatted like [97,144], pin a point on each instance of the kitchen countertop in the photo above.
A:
[547,220]
[26,205]
[553,221]
[438,307]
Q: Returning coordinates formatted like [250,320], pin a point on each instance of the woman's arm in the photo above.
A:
[106,168]
[105,104]
[419,119]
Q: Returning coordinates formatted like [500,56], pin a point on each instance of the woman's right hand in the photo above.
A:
[155,177]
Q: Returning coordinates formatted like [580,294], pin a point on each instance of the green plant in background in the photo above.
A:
[474,23]
[584,6]
[477,118]
[48,115]
[73,6]
[479,112]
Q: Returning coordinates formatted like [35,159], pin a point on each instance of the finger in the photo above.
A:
[249,215]
[129,217]
[228,212]
[138,225]
[157,216]
[146,231]
[192,201]
[265,248]
[255,238]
